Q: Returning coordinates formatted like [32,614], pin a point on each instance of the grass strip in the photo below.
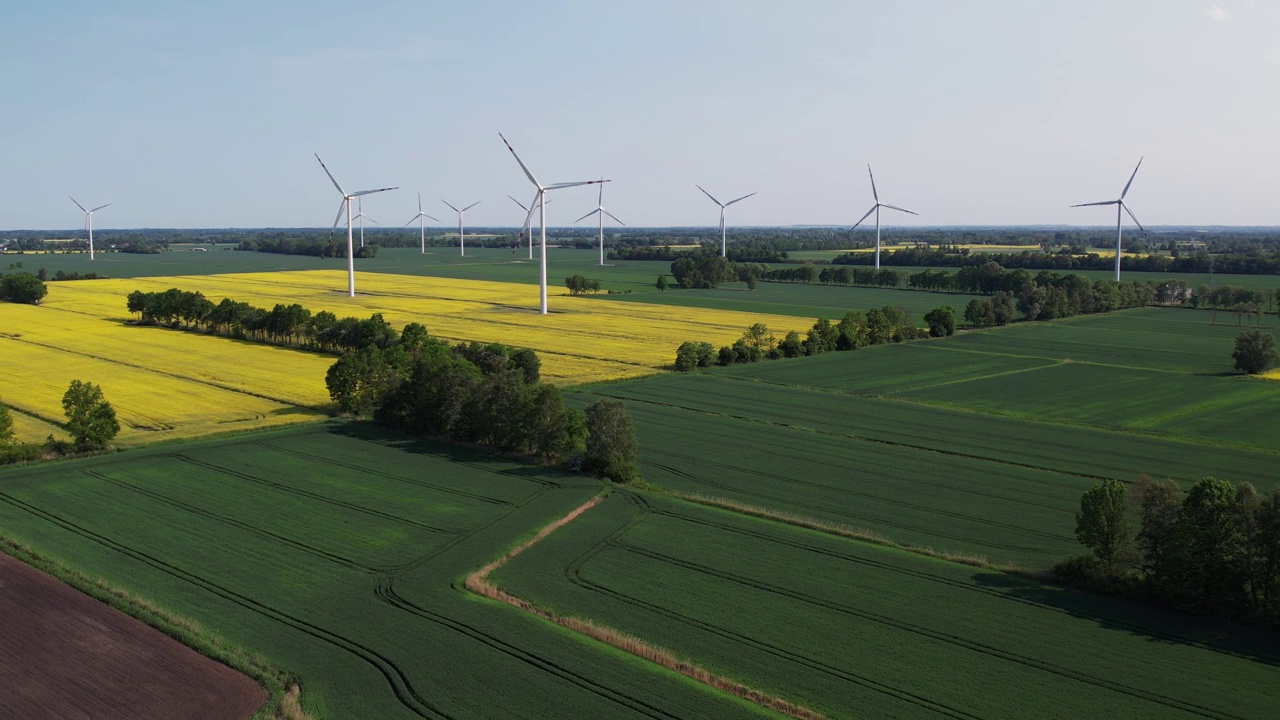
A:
[477,582]
[282,691]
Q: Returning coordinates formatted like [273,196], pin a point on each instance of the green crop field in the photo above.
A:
[338,553]
[981,443]
[855,630]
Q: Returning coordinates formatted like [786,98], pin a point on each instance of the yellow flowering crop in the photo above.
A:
[171,384]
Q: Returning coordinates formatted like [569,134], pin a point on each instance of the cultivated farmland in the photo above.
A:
[337,553]
[856,630]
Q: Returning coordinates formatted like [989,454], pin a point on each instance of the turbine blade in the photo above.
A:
[341,206]
[713,197]
[874,194]
[584,217]
[522,207]
[370,192]
[366,217]
[528,174]
[100,207]
[744,197]
[326,172]
[472,205]
[78,204]
[557,186]
[430,218]
[1134,218]
[415,217]
[419,201]
[1105,202]
[600,197]
[615,217]
[895,207]
[864,217]
[446,202]
[1131,177]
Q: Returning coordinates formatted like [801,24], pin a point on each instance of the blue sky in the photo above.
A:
[970,112]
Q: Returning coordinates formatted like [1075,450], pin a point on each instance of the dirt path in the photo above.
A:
[65,655]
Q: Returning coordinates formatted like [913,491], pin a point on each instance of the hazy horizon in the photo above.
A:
[1000,114]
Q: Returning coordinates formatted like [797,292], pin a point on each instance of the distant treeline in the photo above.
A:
[1254,263]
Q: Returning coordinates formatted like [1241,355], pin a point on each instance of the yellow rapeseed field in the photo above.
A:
[169,384]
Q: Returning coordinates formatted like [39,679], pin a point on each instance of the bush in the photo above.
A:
[942,321]
[1255,351]
[692,355]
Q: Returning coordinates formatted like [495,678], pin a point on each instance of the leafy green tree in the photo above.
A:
[851,330]
[978,313]
[22,287]
[1214,544]
[751,282]
[1102,524]
[6,425]
[1160,515]
[1255,351]
[942,321]
[759,337]
[791,346]
[359,382]
[821,338]
[662,283]
[1002,307]
[553,431]
[91,421]
[692,355]
[611,442]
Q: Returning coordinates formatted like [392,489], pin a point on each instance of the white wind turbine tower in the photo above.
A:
[876,209]
[540,202]
[528,218]
[462,242]
[722,207]
[601,212]
[88,221]
[346,204]
[422,231]
[1120,205]
[360,214]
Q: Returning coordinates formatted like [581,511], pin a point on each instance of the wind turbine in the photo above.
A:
[88,221]
[346,204]
[462,242]
[601,212]
[876,209]
[422,232]
[528,217]
[1120,205]
[722,207]
[360,214]
[540,199]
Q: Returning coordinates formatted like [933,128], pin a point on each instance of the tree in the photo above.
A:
[22,287]
[759,337]
[662,283]
[978,313]
[1160,514]
[791,346]
[1102,524]
[942,321]
[1214,544]
[611,442]
[91,421]
[1255,351]
[6,425]
[821,338]
[1002,307]
[692,355]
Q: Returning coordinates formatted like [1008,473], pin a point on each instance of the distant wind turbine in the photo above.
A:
[360,214]
[540,201]
[88,221]
[601,212]
[722,207]
[462,242]
[1120,205]
[422,231]
[346,204]
[528,218]
[876,209]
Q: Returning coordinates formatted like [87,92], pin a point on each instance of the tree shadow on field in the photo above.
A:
[1152,623]
[477,457]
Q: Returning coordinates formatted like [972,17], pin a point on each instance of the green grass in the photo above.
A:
[857,630]
[337,553]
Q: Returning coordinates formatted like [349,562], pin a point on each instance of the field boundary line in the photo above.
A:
[478,583]
[282,690]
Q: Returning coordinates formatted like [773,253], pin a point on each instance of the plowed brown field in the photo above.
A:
[65,655]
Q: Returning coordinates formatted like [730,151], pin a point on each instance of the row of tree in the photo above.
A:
[1214,549]
[579,285]
[878,326]
[1251,263]
[288,325]
[828,275]
[485,394]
